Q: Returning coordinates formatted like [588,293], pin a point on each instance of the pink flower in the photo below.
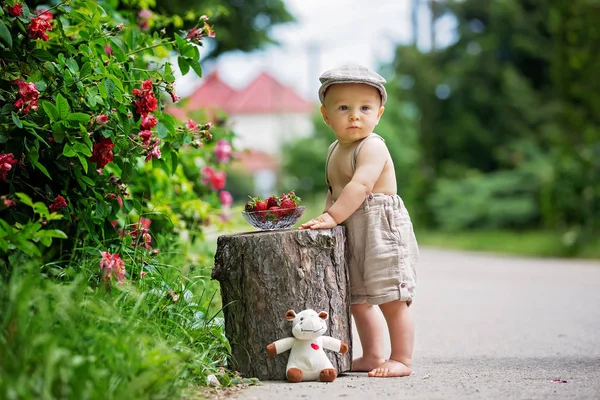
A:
[44,14]
[59,204]
[148,121]
[144,13]
[191,125]
[154,152]
[215,179]
[174,97]
[15,10]
[9,203]
[226,198]
[143,274]
[6,162]
[145,135]
[108,50]
[112,264]
[38,27]
[120,26]
[204,18]
[223,151]
[208,30]
[27,97]
[102,119]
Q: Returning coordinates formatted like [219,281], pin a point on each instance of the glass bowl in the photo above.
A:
[274,219]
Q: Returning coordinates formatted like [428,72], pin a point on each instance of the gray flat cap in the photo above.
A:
[352,74]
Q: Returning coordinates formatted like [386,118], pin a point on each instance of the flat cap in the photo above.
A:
[352,74]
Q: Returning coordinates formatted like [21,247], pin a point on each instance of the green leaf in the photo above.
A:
[25,199]
[79,117]
[86,69]
[5,34]
[68,151]
[41,168]
[50,110]
[184,67]
[101,209]
[110,87]
[52,233]
[82,149]
[196,67]
[42,55]
[162,130]
[72,65]
[87,180]
[16,120]
[62,106]
[83,162]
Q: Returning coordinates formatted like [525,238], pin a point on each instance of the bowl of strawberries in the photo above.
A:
[275,212]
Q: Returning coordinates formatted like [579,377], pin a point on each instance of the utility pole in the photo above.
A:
[314,54]
[414,19]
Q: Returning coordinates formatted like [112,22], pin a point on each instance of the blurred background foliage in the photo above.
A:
[499,130]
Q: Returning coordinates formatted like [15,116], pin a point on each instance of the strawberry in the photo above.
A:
[287,206]
[289,201]
[272,201]
[260,205]
[274,213]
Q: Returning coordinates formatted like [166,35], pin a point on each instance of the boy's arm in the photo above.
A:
[369,166]
[328,202]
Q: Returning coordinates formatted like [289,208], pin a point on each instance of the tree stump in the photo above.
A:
[264,274]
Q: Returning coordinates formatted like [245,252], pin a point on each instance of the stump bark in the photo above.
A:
[264,274]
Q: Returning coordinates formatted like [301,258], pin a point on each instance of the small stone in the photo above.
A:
[212,380]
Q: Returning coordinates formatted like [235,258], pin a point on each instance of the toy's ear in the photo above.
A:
[290,315]
[323,315]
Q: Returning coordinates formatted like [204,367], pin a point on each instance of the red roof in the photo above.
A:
[212,93]
[264,95]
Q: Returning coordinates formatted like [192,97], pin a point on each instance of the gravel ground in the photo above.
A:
[488,327]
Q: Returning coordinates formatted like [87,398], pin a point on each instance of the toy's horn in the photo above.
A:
[323,315]
[290,315]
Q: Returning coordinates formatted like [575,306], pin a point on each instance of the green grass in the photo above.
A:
[531,243]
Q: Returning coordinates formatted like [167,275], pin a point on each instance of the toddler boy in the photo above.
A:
[362,196]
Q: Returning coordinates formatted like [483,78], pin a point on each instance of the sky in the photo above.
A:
[327,34]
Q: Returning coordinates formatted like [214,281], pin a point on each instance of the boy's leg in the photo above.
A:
[402,337]
[370,330]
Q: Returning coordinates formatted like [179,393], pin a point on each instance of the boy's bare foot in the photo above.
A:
[390,368]
[365,364]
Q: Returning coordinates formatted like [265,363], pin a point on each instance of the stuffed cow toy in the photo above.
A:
[308,361]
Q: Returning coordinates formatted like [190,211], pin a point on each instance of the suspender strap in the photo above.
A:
[357,149]
[331,149]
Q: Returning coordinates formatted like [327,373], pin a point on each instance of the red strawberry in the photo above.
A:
[274,213]
[260,205]
[272,201]
[287,206]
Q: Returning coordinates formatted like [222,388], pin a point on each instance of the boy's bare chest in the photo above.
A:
[340,167]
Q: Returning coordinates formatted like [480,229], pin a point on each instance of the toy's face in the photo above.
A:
[309,325]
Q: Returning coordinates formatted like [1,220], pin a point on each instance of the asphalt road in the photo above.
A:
[488,327]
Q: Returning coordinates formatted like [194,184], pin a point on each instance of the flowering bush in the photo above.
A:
[82,93]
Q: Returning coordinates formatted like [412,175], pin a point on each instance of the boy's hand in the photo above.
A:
[323,221]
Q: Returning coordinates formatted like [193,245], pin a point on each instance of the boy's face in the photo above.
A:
[352,110]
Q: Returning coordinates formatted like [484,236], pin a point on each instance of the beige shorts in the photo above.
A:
[383,251]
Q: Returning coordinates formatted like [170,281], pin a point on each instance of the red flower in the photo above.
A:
[108,50]
[38,27]
[146,85]
[148,122]
[44,14]
[59,204]
[145,135]
[226,198]
[154,152]
[191,125]
[102,153]
[102,119]
[215,179]
[28,96]
[15,10]
[6,162]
